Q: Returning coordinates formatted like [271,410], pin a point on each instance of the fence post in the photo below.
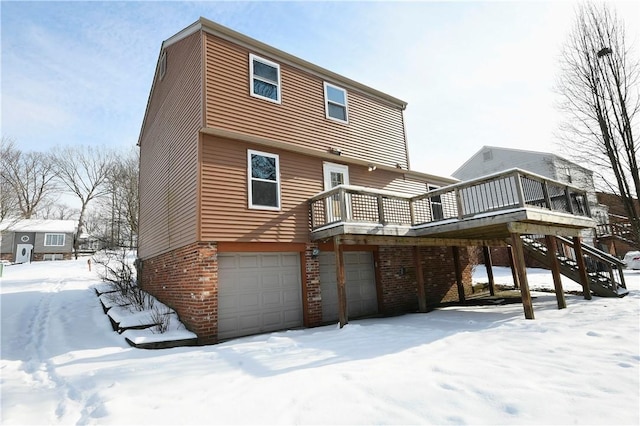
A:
[343,204]
[380,209]
[519,189]
[567,195]
[459,203]
[545,191]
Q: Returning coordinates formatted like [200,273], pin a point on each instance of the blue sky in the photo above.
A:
[473,73]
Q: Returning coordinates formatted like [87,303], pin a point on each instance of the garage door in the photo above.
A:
[258,292]
[362,298]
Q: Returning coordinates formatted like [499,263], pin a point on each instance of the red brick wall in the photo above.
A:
[440,274]
[398,282]
[186,279]
[312,294]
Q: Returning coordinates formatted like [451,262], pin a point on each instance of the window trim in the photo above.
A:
[57,234]
[163,65]
[250,180]
[253,57]
[327,101]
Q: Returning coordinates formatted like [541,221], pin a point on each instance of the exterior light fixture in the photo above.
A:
[335,151]
[372,167]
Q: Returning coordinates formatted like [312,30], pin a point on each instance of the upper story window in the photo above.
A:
[54,240]
[335,101]
[265,78]
[264,180]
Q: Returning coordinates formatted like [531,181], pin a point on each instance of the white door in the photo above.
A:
[360,277]
[334,175]
[258,292]
[23,253]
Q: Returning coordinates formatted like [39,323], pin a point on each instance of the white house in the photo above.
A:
[491,159]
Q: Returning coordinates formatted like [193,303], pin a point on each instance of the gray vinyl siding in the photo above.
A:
[39,246]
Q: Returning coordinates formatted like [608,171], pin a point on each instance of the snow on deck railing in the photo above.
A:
[510,189]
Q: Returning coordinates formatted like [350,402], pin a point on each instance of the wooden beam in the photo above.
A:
[512,265]
[375,240]
[340,281]
[536,229]
[456,265]
[422,296]
[582,268]
[518,253]
[488,264]
[552,254]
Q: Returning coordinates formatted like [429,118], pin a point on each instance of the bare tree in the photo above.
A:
[57,211]
[599,87]
[84,171]
[30,176]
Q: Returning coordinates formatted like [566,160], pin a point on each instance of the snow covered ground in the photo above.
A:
[62,364]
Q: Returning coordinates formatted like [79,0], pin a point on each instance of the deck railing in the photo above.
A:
[512,189]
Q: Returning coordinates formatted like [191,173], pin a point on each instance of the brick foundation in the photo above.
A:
[398,282]
[186,279]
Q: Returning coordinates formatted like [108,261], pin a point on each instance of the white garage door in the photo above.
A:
[362,298]
[258,292]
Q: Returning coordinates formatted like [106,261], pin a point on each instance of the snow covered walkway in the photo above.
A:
[62,364]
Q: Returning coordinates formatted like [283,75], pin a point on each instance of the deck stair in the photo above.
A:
[606,278]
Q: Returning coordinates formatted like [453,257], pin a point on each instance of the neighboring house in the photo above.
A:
[29,240]
[492,159]
[277,194]
[615,232]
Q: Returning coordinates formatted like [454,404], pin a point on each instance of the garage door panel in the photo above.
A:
[247,261]
[271,298]
[258,292]
[360,280]
[270,281]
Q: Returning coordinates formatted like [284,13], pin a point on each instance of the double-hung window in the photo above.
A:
[335,101]
[56,240]
[264,180]
[264,78]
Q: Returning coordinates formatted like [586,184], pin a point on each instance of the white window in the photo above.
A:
[264,180]
[335,101]
[265,79]
[54,240]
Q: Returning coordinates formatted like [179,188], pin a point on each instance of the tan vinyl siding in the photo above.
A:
[375,131]
[225,212]
[169,153]
[226,216]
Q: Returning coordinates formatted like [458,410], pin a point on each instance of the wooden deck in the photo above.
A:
[483,211]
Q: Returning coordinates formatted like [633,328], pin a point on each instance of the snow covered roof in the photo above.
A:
[39,225]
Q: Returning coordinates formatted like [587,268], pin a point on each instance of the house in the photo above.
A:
[611,221]
[492,159]
[615,233]
[277,194]
[27,240]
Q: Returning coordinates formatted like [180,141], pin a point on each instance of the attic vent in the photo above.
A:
[163,65]
[487,155]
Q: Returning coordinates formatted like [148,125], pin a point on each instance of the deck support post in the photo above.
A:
[552,254]
[456,265]
[512,264]
[582,268]
[486,252]
[422,296]
[340,280]
[521,267]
